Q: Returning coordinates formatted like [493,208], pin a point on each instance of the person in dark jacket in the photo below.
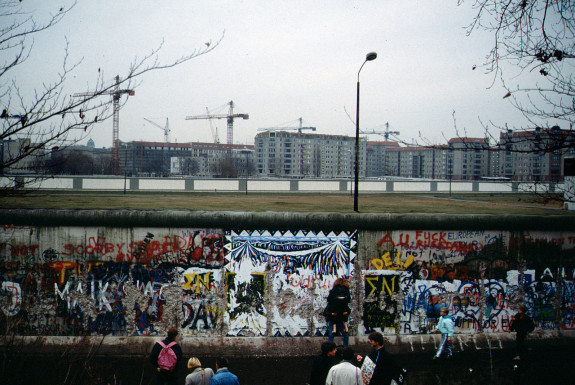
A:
[522,324]
[338,309]
[385,366]
[166,377]
[322,363]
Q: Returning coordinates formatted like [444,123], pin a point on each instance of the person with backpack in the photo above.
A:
[522,324]
[165,357]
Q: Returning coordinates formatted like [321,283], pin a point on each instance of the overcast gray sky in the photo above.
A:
[279,61]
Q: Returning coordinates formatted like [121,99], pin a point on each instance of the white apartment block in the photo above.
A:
[299,155]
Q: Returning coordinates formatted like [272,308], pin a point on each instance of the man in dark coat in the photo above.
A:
[322,363]
[522,325]
[166,377]
[385,366]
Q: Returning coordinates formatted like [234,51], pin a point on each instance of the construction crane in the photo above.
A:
[230,119]
[214,130]
[166,129]
[299,129]
[385,133]
[116,94]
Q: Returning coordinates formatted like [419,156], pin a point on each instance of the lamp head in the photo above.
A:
[371,56]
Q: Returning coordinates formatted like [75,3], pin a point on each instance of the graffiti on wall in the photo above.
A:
[85,281]
[278,282]
[481,276]
[139,281]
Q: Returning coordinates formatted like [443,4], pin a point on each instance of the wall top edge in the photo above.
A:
[283,220]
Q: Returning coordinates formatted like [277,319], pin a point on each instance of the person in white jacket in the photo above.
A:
[446,327]
[345,373]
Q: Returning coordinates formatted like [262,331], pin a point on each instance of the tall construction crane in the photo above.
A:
[385,133]
[299,129]
[166,129]
[230,119]
[116,94]
[214,130]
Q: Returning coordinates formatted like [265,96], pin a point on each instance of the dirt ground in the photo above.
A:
[382,203]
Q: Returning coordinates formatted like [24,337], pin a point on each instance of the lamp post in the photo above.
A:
[369,57]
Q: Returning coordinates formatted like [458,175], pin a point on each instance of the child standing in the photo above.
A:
[446,327]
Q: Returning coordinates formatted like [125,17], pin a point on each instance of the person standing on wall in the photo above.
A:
[198,375]
[223,375]
[446,327]
[522,324]
[338,309]
[345,373]
[322,363]
[165,357]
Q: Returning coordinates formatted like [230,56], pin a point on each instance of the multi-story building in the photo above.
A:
[195,158]
[417,162]
[468,158]
[376,158]
[534,155]
[299,155]
[17,158]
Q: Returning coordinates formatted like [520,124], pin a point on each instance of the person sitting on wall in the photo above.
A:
[338,309]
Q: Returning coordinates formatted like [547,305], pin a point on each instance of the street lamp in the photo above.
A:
[369,57]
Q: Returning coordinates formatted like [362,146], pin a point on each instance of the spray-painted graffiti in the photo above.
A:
[201,310]
[85,281]
[481,276]
[139,281]
[298,268]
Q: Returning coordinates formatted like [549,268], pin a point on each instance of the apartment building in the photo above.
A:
[195,158]
[468,158]
[16,158]
[417,162]
[376,158]
[299,155]
[535,155]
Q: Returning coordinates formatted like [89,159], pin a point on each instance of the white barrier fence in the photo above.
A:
[110,183]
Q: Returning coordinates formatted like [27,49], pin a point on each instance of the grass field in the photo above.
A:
[381,203]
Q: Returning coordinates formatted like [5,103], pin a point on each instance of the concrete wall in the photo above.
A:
[219,276]
[109,183]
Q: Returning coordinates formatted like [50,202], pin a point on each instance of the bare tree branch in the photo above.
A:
[44,120]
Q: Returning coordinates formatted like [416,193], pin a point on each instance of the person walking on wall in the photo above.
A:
[223,375]
[385,367]
[338,309]
[446,327]
[322,363]
[198,375]
[522,324]
[345,373]
[165,357]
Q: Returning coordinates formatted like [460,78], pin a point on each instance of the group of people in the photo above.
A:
[166,362]
[342,366]
[334,366]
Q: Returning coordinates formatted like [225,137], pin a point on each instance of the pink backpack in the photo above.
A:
[167,359]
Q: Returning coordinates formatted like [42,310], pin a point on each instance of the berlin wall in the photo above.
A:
[233,275]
